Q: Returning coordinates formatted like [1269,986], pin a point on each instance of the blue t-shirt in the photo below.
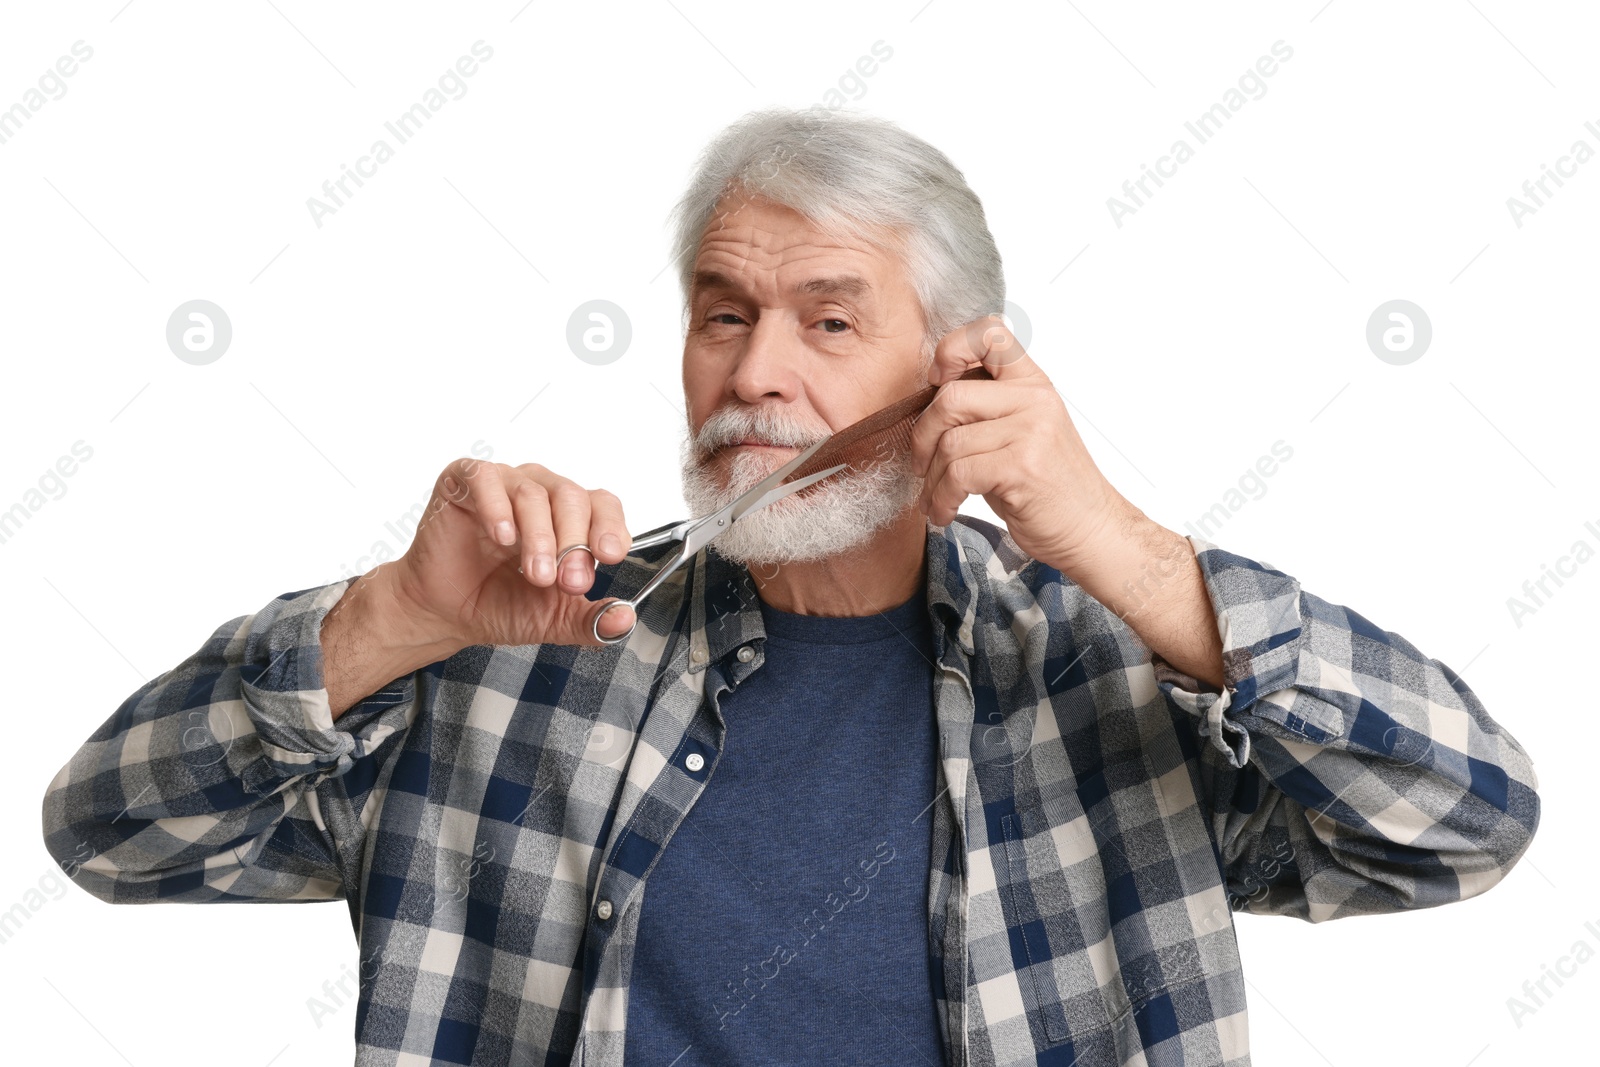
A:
[786,921]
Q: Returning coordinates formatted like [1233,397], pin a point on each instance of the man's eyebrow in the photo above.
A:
[710,279]
[840,285]
[845,285]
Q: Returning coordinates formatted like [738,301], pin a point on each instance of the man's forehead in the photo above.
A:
[755,237]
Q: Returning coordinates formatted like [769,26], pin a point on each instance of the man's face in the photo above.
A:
[793,334]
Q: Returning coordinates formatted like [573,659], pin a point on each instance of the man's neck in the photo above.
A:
[881,573]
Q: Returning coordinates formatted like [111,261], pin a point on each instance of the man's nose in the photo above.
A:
[768,366]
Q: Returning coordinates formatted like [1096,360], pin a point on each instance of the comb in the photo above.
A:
[877,437]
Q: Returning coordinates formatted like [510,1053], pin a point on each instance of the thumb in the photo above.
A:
[612,621]
[572,619]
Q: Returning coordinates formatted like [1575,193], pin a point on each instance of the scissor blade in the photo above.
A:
[755,496]
[781,491]
[703,530]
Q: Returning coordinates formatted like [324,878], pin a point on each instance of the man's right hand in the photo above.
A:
[459,578]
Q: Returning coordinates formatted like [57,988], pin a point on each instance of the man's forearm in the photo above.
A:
[369,639]
[1149,576]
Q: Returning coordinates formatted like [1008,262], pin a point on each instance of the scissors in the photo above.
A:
[695,534]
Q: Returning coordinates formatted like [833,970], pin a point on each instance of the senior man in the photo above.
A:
[870,781]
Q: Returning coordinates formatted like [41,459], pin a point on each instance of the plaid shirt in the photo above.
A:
[490,819]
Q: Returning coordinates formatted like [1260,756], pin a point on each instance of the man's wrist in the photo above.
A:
[1124,539]
[401,623]
[372,636]
[1150,578]
[1128,568]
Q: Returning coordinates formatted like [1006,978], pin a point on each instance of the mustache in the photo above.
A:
[763,425]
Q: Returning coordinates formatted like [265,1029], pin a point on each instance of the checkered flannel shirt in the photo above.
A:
[491,819]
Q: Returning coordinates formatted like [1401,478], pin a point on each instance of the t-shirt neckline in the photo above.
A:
[907,617]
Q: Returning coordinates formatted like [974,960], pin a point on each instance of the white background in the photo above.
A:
[430,313]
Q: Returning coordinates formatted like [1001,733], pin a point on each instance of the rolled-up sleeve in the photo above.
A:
[227,778]
[1344,771]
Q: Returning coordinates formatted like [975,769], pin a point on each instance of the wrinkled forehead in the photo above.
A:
[751,236]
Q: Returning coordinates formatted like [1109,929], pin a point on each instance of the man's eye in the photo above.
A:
[834,325]
[726,318]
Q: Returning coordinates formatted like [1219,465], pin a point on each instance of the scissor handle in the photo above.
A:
[656,579]
[594,627]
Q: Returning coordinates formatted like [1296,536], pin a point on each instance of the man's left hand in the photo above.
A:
[1012,442]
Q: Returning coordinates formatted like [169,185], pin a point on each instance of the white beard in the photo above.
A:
[836,515]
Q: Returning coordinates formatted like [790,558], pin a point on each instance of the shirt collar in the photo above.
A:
[726,611]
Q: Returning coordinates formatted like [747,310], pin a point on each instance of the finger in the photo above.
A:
[478,487]
[608,532]
[967,439]
[616,621]
[531,503]
[955,404]
[571,620]
[569,511]
[987,342]
[967,476]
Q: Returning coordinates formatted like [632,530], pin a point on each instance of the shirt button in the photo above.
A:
[697,656]
[695,761]
[603,909]
[746,654]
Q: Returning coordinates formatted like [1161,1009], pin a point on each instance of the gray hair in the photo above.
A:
[851,173]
